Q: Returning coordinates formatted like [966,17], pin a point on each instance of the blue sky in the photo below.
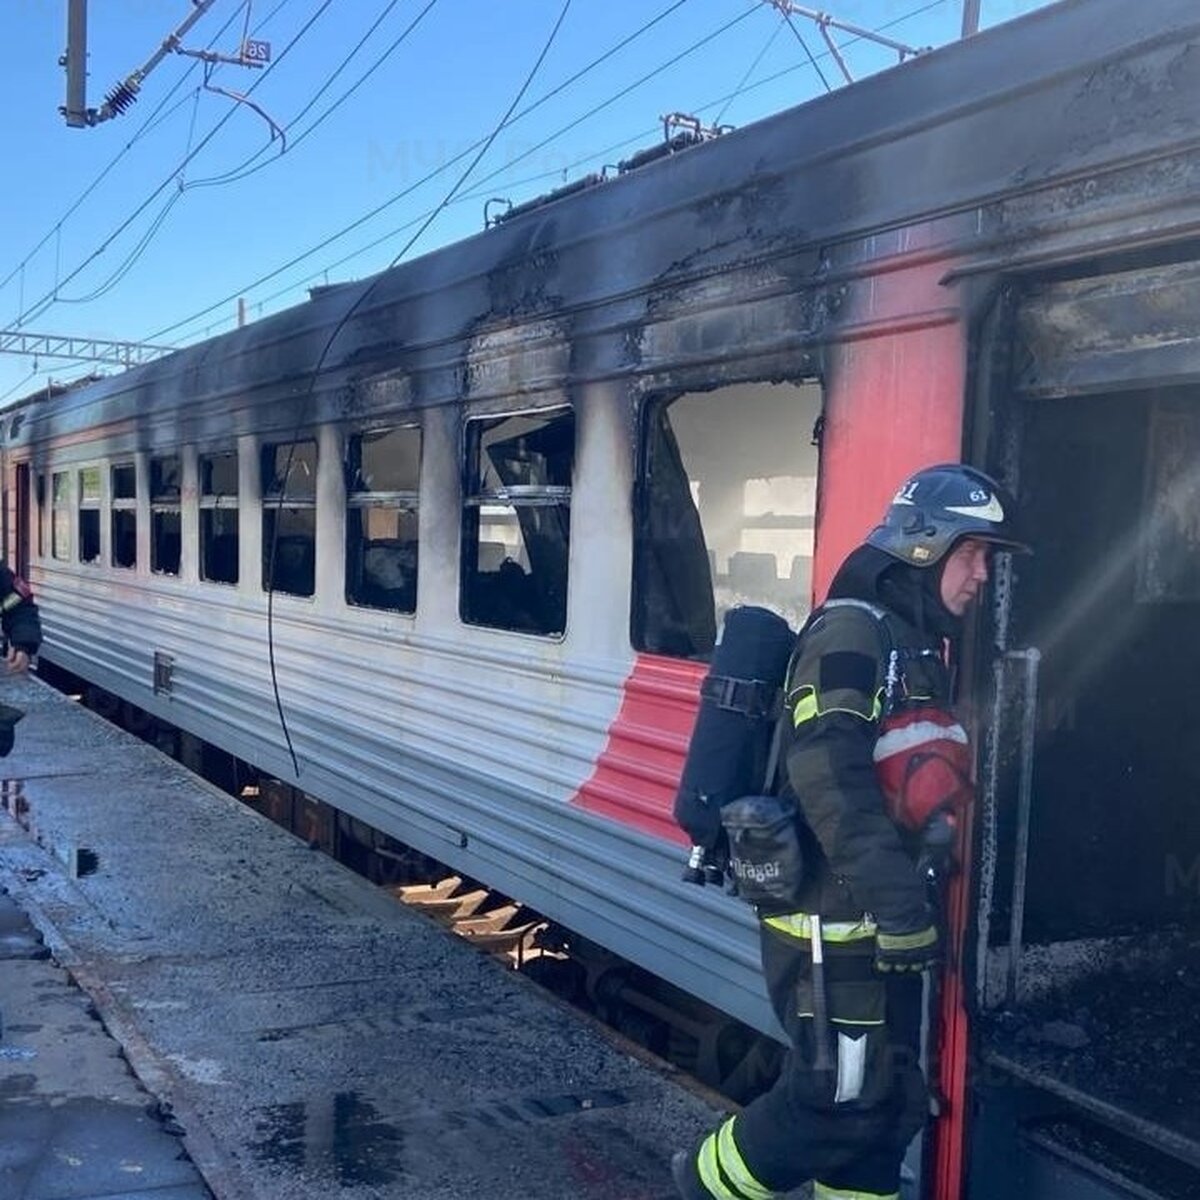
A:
[132,229]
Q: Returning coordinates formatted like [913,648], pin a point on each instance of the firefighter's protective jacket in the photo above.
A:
[837,691]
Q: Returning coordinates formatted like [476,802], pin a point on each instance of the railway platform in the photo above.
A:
[295,1032]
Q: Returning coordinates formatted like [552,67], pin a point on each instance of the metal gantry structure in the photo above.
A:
[79,349]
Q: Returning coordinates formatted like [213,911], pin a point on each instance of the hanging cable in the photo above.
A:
[720,117]
[48,299]
[449,163]
[787,16]
[152,120]
[329,342]
[245,168]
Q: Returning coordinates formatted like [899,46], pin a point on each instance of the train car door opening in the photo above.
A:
[1087,961]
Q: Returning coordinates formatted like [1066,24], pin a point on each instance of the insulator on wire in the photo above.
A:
[120,98]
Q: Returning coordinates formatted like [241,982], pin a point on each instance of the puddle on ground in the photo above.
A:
[80,860]
[343,1136]
[347,1138]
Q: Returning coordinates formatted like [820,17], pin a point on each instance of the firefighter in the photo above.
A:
[19,618]
[877,763]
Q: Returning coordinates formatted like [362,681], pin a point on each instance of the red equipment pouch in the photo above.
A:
[923,763]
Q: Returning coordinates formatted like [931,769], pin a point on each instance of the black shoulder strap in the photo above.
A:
[887,643]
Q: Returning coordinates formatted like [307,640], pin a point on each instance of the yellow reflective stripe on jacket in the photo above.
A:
[799,925]
[11,601]
[822,1191]
[807,707]
[723,1171]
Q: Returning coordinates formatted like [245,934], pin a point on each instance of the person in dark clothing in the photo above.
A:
[19,617]
[876,762]
[22,629]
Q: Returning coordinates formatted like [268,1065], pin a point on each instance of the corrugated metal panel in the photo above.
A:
[441,744]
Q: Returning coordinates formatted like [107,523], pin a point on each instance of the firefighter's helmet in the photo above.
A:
[939,506]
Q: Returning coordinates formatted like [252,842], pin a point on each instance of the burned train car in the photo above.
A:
[478,520]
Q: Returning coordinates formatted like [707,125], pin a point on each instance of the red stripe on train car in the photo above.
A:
[638,771]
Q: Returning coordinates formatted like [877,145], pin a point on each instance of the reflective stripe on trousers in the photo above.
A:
[723,1170]
[799,925]
[823,1192]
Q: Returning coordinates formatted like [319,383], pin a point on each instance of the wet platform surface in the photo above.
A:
[310,1035]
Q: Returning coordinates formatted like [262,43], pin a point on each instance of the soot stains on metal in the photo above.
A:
[1118,1036]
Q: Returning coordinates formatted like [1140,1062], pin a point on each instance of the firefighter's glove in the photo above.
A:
[907,952]
[935,861]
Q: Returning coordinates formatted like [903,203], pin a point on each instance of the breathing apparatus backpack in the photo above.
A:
[725,801]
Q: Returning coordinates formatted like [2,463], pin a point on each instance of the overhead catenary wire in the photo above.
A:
[139,247]
[449,163]
[316,249]
[48,299]
[152,120]
[720,117]
[787,16]
[250,165]
[329,343]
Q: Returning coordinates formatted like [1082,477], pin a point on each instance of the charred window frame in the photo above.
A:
[383,468]
[517,521]
[60,516]
[90,498]
[166,519]
[725,511]
[289,517]
[122,479]
[39,485]
[219,545]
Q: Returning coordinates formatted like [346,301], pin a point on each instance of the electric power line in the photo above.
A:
[433,174]
[342,321]
[49,298]
[787,16]
[245,169]
[151,121]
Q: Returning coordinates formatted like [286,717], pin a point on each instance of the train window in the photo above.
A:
[219,517]
[165,527]
[726,500]
[60,515]
[517,521]
[123,479]
[382,480]
[89,515]
[289,510]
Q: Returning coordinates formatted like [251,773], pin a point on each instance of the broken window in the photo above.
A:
[219,517]
[89,515]
[123,478]
[726,509]
[382,481]
[289,506]
[166,531]
[60,515]
[517,521]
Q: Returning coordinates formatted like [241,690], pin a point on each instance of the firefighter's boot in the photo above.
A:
[687,1178]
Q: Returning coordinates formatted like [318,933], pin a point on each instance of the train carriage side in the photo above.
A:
[588,431]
